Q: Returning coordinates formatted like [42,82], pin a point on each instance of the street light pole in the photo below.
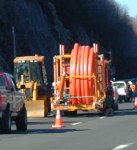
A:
[14,41]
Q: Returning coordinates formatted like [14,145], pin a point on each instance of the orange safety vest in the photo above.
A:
[133,87]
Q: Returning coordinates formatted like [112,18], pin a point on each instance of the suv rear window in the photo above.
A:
[120,85]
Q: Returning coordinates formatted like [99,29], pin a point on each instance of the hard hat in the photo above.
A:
[53,83]
[129,82]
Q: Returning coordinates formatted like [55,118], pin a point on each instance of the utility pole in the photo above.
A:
[14,41]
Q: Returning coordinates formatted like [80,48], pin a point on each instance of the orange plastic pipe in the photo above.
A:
[86,85]
[73,72]
[82,73]
[74,64]
[78,83]
[91,70]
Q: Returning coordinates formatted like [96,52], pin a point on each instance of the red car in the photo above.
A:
[12,105]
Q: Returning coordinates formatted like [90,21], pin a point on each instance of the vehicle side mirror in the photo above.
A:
[22,86]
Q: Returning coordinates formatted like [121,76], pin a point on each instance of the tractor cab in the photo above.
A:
[30,71]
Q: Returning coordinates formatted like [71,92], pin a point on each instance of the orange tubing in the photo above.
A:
[82,63]
[91,70]
[73,72]
[78,89]
[82,74]
[86,85]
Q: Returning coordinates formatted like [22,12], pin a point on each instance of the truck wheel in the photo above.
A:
[101,113]
[46,107]
[64,113]
[116,107]
[72,113]
[6,122]
[120,100]
[21,120]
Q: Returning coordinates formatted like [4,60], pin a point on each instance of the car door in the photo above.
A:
[17,99]
[4,92]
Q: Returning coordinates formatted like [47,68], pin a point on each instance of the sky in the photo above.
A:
[131,6]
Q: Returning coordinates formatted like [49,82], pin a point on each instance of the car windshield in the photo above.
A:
[21,69]
[31,71]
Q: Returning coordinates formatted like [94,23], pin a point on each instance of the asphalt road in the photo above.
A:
[87,131]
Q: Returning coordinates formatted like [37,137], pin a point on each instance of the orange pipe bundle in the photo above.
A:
[82,67]
[91,71]
[73,64]
[81,80]
[78,84]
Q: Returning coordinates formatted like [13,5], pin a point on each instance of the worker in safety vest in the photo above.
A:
[133,87]
[132,91]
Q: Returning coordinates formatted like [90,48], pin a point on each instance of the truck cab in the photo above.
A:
[30,71]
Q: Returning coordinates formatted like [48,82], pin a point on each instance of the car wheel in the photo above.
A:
[5,122]
[21,120]
[120,100]
[116,107]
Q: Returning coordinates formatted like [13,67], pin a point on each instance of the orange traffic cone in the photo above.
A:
[135,103]
[58,120]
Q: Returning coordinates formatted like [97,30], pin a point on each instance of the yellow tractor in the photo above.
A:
[30,71]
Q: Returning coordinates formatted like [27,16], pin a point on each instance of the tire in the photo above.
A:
[127,99]
[72,113]
[46,107]
[5,122]
[64,113]
[101,113]
[120,99]
[116,107]
[21,120]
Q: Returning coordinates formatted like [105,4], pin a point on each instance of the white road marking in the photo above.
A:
[122,146]
[102,117]
[76,123]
